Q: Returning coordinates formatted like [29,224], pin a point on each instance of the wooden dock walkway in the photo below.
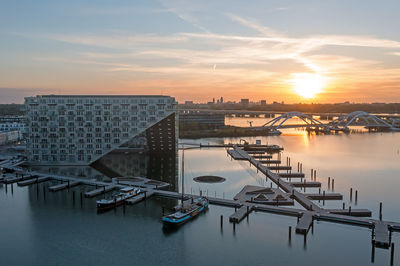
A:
[381,236]
[241,213]
[34,180]
[140,197]
[304,223]
[291,175]
[65,185]
[99,191]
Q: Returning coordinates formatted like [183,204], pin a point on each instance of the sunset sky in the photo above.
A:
[292,51]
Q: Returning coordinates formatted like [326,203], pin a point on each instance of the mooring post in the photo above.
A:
[234,227]
[333,184]
[343,206]
[392,255]
[323,198]
[329,182]
[298,167]
[349,209]
[312,171]
[319,190]
[356,195]
[380,211]
[222,221]
[351,194]
[12,188]
[290,233]
[373,252]
[315,175]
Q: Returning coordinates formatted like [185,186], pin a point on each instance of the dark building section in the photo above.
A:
[201,120]
[161,137]
[164,168]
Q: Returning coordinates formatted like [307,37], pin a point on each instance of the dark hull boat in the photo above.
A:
[187,212]
[117,199]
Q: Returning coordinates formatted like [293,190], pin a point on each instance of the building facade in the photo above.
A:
[80,129]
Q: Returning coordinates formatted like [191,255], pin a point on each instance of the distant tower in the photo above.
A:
[222,100]
[213,100]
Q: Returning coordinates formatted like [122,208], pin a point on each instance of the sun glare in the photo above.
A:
[307,85]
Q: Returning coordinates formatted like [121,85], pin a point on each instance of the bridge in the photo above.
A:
[275,124]
[358,118]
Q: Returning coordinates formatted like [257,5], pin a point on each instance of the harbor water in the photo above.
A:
[39,227]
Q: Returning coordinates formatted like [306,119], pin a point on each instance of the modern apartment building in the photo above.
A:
[80,129]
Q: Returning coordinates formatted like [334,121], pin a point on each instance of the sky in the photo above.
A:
[277,50]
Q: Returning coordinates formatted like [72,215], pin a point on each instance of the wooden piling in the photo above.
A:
[323,198]
[356,195]
[222,221]
[343,205]
[392,255]
[329,182]
[380,211]
[290,233]
[333,184]
[351,194]
[315,175]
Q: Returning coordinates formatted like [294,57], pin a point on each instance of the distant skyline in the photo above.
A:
[291,51]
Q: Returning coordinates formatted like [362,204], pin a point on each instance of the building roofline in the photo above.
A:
[92,95]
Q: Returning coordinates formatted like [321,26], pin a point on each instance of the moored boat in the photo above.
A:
[186,212]
[117,199]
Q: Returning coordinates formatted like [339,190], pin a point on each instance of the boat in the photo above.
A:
[187,212]
[117,199]
[187,209]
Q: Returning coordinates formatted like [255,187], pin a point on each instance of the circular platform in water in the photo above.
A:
[209,179]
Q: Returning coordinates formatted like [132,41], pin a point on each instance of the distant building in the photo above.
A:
[189,102]
[80,129]
[244,102]
[9,136]
[13,124]
[263,102]
[205,120]
[221,100]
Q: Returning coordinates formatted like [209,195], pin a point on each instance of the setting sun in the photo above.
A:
[307,85]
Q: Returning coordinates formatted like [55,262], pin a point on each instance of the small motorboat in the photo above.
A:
[117,199]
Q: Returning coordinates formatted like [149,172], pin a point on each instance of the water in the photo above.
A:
[54,229]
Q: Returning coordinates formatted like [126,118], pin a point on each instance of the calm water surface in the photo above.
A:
[55,229]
